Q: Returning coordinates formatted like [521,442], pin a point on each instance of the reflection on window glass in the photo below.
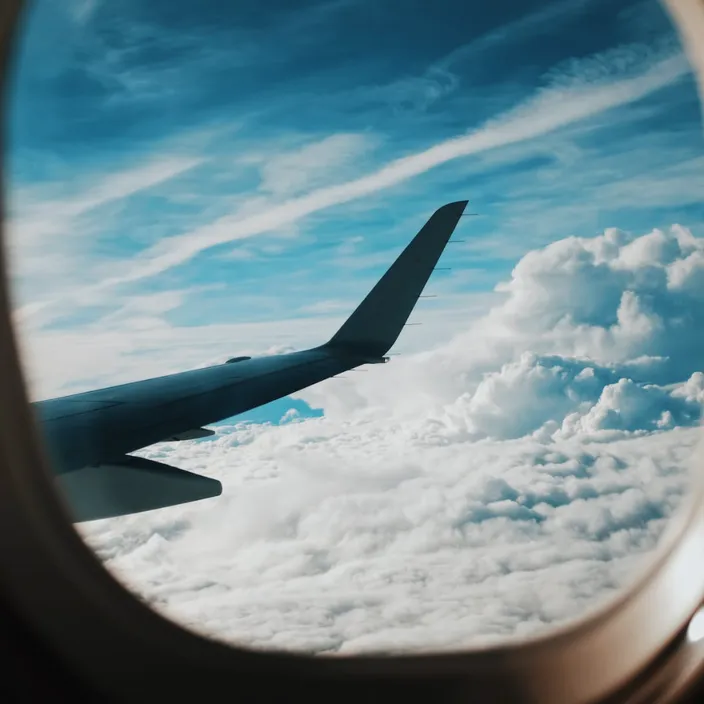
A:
[195,182]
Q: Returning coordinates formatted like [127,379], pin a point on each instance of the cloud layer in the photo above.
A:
[488,488]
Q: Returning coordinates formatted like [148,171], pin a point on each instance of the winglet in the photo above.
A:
[377,322]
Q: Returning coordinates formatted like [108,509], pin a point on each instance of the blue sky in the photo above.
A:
[193,181]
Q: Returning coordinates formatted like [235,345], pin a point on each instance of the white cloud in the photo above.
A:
[498,484]
[328,306]
[611,299]
[37,221]
[51,236]
[292,172]
[371,539]
[81,10]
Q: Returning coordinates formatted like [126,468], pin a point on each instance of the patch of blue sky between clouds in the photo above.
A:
[284,410]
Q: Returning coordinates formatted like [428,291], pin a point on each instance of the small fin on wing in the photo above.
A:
[131,485]
[193,434]
[377,322]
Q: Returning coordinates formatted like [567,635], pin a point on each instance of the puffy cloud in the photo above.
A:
[493,486]
[613,297]
[628,305]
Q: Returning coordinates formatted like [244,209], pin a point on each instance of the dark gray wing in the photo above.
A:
[89,435]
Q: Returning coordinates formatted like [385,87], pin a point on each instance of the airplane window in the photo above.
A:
[360,326]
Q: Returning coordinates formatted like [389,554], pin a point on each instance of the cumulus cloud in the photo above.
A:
[494,486]
[579,313]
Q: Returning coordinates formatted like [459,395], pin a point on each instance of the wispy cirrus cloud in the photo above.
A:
[549,110]
[40,229]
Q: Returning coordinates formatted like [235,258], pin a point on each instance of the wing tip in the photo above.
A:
[456,206]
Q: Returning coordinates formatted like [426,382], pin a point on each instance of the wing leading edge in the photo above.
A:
[89,435]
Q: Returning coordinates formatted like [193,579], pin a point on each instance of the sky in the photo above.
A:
[189,183]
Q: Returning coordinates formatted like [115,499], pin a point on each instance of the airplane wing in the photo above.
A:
[88,435]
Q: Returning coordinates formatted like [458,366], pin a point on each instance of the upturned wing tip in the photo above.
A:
[456,206]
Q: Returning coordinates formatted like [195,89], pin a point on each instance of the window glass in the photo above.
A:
[191,183]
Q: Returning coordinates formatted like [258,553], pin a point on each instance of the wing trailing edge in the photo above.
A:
[131,485]
[194,434]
